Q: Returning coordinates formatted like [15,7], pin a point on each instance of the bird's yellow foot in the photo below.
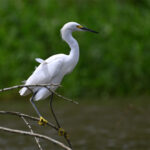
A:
[62,132]
[42,121]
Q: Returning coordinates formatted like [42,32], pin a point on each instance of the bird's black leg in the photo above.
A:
[42,121]
[51,106]
[61,131]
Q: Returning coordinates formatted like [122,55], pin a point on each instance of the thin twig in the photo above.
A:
[21,86]
[39,85]
[70,100]
[35,135]
[29,126]
[27,116]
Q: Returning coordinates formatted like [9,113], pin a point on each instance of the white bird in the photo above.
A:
[52,70]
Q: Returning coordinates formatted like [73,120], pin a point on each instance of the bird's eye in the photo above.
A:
[79,26]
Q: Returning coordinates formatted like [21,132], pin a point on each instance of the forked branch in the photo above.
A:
[31,133]
[30,128]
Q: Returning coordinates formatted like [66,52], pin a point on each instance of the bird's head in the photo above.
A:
[73,26]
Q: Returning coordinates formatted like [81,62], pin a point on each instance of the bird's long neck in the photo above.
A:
[73,44]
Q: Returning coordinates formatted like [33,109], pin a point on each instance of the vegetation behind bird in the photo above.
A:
[115,63]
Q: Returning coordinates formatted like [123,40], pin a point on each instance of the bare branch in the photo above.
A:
[34,119]
[29,126]
[39,85]
[21,86]
[23,116]
[27,116]
[35,135]
[70,100]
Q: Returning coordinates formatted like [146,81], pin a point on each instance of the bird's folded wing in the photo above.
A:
[43,74]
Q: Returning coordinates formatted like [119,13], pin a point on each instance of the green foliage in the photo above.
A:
[115,62]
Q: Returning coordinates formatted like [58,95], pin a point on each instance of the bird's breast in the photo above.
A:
[70,66]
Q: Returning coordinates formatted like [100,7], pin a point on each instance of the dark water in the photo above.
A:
[91,126]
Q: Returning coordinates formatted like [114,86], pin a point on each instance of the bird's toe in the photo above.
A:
[62,132]
[42,121]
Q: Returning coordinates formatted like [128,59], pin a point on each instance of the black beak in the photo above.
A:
[86,29]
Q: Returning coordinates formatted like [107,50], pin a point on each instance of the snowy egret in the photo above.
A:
[52,70]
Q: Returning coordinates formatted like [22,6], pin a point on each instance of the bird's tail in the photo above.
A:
[24,91]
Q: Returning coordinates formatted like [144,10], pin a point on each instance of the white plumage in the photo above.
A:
[53,69]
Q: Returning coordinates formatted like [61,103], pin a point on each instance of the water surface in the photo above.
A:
[91,125]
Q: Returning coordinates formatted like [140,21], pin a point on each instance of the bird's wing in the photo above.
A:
[45,72]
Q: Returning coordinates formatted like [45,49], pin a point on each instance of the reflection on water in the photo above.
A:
[92,126]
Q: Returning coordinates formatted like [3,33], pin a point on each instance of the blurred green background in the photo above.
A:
[113,70]
[113,63]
